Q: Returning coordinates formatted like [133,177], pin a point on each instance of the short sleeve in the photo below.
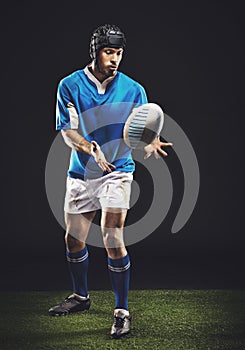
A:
[66,113]
[141,96]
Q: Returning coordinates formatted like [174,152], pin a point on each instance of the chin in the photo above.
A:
[109,75]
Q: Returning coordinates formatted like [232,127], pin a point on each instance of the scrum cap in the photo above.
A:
[108,35]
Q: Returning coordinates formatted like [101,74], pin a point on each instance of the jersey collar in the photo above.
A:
[101,87]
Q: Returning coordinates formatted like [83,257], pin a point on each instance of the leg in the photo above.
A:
[112,223]
[77,254]
[114,199]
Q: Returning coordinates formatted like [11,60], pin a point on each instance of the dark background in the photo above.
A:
[189,56]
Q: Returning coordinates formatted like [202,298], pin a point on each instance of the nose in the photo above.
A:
[114,58]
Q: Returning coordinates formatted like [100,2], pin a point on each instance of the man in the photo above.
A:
[92,107]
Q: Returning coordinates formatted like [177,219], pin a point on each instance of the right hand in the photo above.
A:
[100,158]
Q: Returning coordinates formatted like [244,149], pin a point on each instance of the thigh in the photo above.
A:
[113,217]
[78,225]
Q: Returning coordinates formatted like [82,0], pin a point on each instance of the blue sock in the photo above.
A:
[78,267]
[119,271]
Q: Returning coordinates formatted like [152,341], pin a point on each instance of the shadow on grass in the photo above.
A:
[195,320]
[38,339]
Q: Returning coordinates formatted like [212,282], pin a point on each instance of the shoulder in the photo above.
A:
[130,82]
[71,80]
[128,79]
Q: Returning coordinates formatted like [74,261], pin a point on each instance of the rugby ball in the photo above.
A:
[143,125]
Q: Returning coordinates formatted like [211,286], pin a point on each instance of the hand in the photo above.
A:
[100,158]
[156,147]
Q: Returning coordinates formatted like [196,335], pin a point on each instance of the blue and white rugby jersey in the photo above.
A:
[99,112]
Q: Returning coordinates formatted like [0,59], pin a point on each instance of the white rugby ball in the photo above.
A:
[143,125]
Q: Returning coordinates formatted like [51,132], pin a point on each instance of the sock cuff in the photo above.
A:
[119,265]
[77,256]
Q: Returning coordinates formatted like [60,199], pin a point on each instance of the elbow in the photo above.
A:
[67,138]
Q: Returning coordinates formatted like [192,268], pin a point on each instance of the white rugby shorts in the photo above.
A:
[109,191]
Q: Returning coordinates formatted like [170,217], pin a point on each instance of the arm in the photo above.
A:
[156,146]
[74,140]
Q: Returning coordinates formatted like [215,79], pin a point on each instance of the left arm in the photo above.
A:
[156,146]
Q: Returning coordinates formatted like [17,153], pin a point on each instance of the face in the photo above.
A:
[108,61]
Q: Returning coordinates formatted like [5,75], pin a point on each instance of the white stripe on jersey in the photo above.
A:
[73,115]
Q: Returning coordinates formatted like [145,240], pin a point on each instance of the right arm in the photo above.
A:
[74,140]
[67,121]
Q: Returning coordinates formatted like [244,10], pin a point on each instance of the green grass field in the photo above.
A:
[161,319]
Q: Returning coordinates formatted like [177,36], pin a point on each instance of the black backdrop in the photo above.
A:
[189,55]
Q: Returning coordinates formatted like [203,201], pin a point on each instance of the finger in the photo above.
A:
[107,167]
[112,165]
[102,166]
[163,152]
[156,154]
[147,155]
[160,150]
[166,144]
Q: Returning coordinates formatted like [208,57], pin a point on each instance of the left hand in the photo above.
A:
[156,147]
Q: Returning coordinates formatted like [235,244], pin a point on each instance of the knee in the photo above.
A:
[113,238]
[116,253]
[72,244]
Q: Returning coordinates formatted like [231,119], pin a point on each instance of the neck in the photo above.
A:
[98,75]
